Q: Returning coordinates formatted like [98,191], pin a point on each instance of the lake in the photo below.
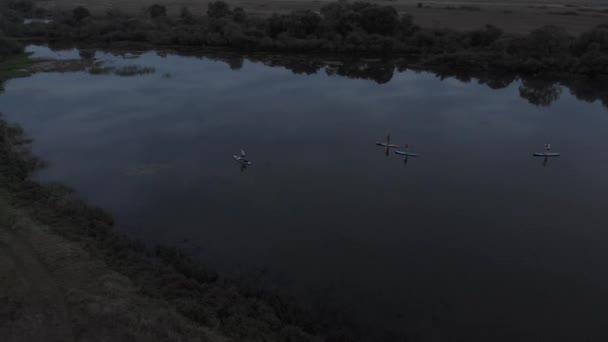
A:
[473,240]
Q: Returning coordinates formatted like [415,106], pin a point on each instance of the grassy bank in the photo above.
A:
[14,67]
[53,289]
[13,60]
[340,27]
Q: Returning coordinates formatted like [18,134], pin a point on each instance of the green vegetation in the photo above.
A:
[14,67]
[133,70]
[80,13]
[125,71]
[9,47]
[340,27]
[100,70]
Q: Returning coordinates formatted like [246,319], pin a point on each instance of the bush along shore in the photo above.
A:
[340,27]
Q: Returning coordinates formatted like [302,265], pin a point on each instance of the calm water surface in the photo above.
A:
[475,240]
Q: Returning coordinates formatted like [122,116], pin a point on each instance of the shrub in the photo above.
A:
[218,9]
[187,16]
[406,25]
[338,17]
[593,40]
[9,47]
[239,15]
[157,11]
[300,24]
[381,20]
[547,41]
[593,63]
[21,6]
[79,13]
[486,36]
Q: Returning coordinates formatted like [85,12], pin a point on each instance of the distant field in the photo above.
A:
[512,16]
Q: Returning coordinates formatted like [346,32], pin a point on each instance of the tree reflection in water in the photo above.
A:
[539,90]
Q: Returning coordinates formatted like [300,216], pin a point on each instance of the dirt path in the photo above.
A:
[52,290]
[34,304]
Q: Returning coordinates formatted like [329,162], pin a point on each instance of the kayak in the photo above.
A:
[407,154]
[241,160]
[386,145]
[547,154]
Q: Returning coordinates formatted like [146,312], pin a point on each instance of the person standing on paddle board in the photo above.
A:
[244,157]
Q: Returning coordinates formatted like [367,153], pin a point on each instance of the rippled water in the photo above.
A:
[474,240]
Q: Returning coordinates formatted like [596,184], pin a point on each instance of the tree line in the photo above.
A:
[339,27]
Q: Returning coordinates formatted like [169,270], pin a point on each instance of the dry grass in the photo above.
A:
[51,289]
[513,16]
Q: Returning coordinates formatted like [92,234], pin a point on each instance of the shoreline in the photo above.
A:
[345,29]
[539,89]
[95,271]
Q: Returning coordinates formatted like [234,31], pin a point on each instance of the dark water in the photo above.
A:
[475,240]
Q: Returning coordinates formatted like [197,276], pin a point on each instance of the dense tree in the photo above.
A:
[406,25]
[187,16]
[381,20]
[548,41]
[342,26]
[300,24]
[22,6]
[8,47]
[79,13]
[344,17]
[239,15]
[338,17]
[218,9]
[157,11]
[485,36]
[594,62]
[594,40]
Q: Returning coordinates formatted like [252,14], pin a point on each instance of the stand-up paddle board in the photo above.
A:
[548,154]
[386,145]
[241,160]
[407,154]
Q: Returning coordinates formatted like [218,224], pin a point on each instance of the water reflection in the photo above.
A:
[538,90]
